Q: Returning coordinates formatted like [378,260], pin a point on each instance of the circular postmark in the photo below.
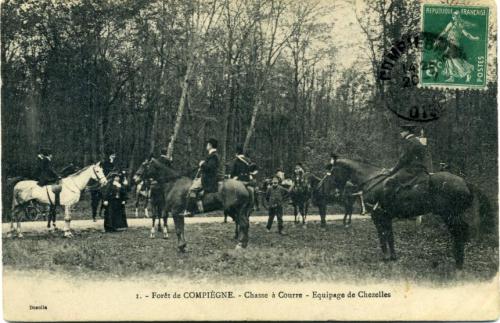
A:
[400,77]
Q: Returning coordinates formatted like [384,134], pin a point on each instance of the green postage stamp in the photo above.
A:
[455,52]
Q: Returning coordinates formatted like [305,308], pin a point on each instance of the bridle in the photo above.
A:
[97,175]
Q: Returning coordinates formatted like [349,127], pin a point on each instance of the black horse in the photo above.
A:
[324,192]
[442,193]
[156,196]
[233,197]
[300,196]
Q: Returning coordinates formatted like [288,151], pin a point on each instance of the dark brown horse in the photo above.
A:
[442,193]
[233,197]
[324,192]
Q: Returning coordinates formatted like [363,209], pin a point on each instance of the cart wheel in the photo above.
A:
[31,213]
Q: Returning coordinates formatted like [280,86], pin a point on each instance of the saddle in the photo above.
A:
[409,197]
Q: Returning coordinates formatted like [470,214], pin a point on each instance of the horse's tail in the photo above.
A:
[15,192]
[485,219]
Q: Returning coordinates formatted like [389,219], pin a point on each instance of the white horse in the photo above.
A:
[72,186]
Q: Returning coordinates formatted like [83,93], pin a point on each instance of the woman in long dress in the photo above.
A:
[114,201]
[456,65]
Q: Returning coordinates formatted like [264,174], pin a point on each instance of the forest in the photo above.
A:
[84,76]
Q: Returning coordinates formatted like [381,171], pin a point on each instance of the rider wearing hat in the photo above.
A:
[109,165]
[243,168]
[411,163]
[298,179]
[207,182]
[46,174]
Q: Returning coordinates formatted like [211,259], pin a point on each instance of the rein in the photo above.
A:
[384,176]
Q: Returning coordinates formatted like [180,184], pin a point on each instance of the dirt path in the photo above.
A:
[146,222]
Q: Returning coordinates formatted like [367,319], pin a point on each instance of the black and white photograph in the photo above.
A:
[249,160]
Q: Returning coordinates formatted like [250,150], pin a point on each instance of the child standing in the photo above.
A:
[275,197]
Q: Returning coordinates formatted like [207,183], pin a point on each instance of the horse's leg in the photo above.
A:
[377,217]
[19,232]
[54,216]
[137,201]
[13,217]
[302,209]
[236,230]
[49,218]
[165,226]
[306,209]
[256,201]
[322,213]
[390,237]
[242,216]
[179,230]
[153,219]
[295,213]
[458,229]
[146,204]
[67,222]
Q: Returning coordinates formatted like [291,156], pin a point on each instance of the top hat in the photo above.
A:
[213,142]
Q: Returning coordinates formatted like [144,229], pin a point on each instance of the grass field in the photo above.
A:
[425,254]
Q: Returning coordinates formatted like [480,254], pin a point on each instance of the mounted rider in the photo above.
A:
[109,164]
[244,169]
[207,181]
[299,177]
[46,174]
[280,174]
[411,164]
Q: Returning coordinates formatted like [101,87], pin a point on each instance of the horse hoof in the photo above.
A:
[68,234]
[10,234]
[151,236]
[165,236]
[20,235]
[238,247]
[182,249]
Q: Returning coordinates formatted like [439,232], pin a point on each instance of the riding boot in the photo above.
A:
[58,199]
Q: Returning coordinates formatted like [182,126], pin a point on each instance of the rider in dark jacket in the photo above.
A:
[109,165]
[411,163]
[207,182]
[242,166]
[46,174]
[210,168]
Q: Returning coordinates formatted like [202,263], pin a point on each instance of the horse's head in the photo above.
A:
[98,174]
[139,174]
[339,173]
[159,171]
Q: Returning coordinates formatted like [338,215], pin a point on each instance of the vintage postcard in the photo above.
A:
[249,160]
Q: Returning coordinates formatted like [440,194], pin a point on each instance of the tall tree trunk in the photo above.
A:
[180,109]
[153,132]
[251,127]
